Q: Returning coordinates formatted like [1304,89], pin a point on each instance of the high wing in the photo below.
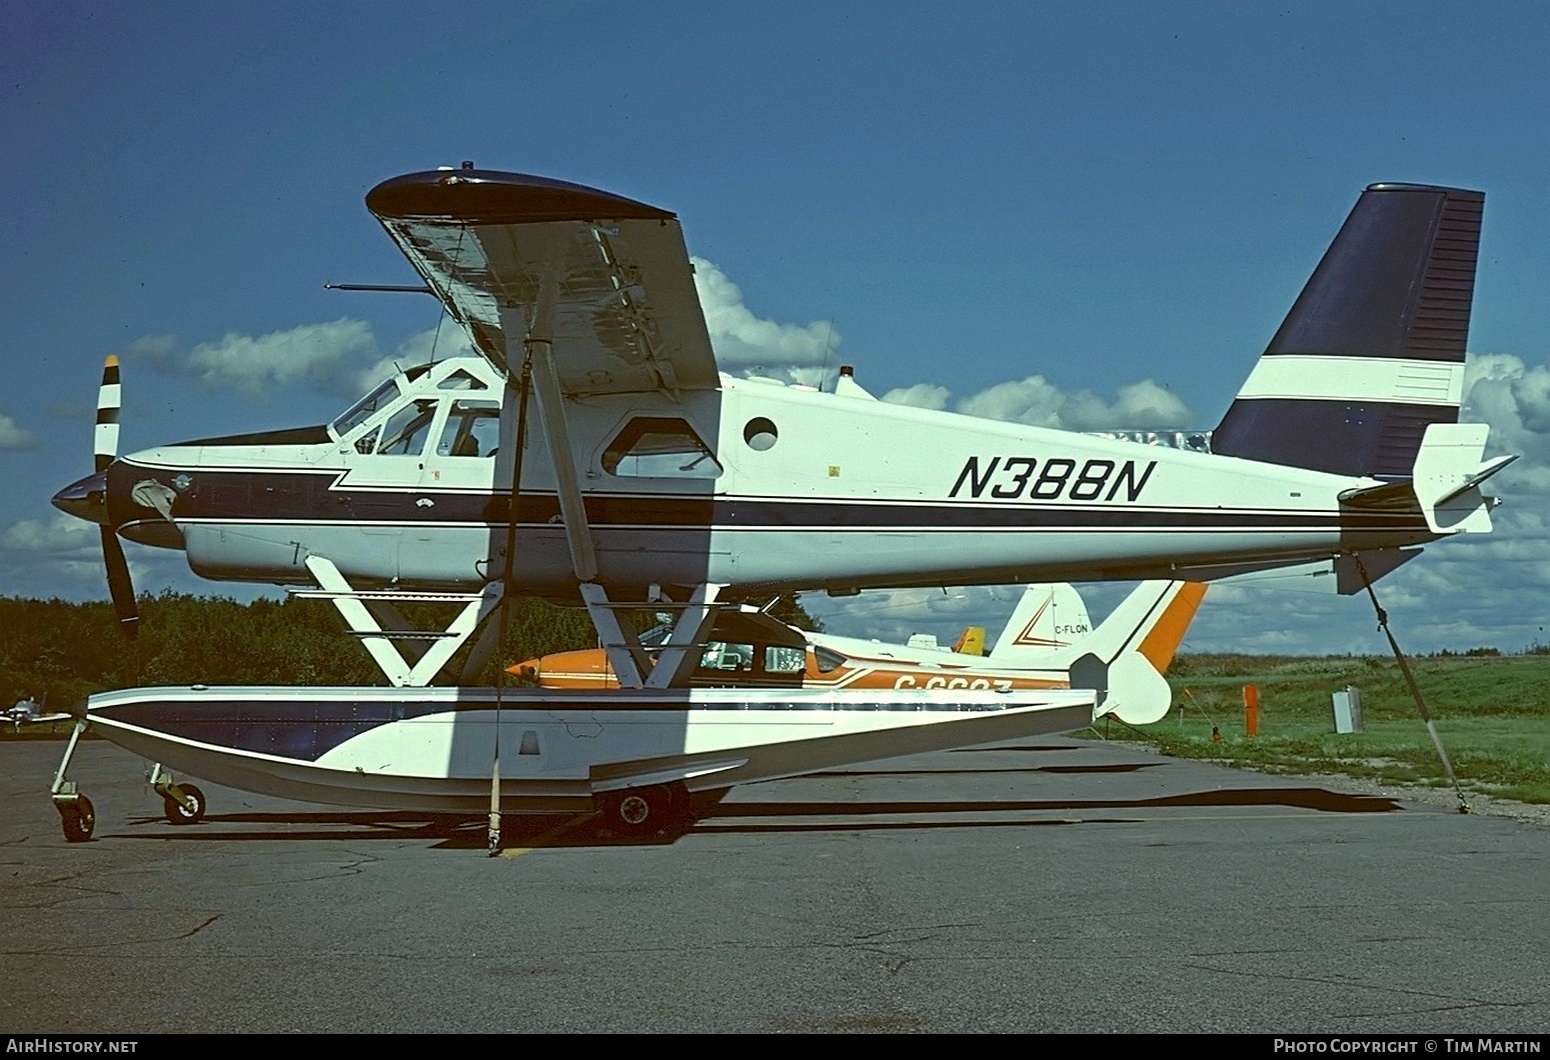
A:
[626,315]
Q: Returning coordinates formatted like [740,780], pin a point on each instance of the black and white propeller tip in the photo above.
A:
[88,499]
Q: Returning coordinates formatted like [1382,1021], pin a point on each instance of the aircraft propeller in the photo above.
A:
[88,499]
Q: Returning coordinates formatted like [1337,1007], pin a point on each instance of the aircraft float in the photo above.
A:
[650,480]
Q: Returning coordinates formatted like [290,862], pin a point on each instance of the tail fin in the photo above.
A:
[971,641]
[1125,657]
[1047,618]
[1372,352]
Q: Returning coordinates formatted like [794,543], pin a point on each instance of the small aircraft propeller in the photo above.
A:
[105,450]
[88,499]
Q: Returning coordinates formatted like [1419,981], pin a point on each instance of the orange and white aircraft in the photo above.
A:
[1047,643]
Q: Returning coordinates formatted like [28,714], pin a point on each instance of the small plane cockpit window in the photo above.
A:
[379,398]
[406,432]
[828,661]
[718,655]
[473,429]
[659,447]
[779,659]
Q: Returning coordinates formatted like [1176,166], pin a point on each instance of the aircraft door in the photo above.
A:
[381,491]
[664,473]
[447,536]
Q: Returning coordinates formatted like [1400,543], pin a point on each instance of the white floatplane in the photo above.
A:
[651,480]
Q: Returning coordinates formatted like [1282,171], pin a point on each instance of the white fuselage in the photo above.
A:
[801,489]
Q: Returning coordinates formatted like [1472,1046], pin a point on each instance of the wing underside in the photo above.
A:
[626,315]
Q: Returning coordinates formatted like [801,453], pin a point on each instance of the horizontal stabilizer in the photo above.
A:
[1445,487]
[1334,575]
[1448,472]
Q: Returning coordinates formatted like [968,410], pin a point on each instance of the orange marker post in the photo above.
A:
[1251,709]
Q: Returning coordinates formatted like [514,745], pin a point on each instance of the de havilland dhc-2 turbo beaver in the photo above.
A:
[650,480]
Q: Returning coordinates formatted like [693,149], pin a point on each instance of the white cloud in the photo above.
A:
[155,350]
[749,345]
[15,436]
[1514,398]
[920,396]
[341,357]
[58,556]
[318,354]
[62,535]
[1038,402]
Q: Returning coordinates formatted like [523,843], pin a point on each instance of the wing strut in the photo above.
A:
[551,413]
[631,663]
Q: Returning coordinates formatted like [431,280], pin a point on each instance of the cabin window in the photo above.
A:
[828,661]
[473,429]
[406,432]
[760,434]
[379,398]
[737,658]
[779,659]
[367,442]
[658,447]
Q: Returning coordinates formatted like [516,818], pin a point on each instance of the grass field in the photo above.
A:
[1492,714]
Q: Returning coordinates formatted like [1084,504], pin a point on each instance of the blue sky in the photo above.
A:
[1027,207]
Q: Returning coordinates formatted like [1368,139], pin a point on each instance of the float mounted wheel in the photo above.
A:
[638,812]
[78,818]
[177,810]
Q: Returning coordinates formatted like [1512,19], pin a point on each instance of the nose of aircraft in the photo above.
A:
[86,498]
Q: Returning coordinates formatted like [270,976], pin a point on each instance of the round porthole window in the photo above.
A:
[760,434]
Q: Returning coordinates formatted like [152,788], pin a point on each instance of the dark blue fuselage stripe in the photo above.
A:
[292,497]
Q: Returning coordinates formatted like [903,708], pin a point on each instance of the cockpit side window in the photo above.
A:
[379,398]
[779,659]
[408,428]
[828,661]
[473,429]
[659,447]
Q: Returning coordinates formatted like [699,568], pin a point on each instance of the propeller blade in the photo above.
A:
[105,450]
[120,588]
[108,400]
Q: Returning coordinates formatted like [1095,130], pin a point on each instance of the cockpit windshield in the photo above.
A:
[378,398]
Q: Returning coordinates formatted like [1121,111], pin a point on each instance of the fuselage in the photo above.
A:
[755,484]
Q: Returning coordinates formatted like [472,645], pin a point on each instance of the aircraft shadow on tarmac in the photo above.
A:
[573,830]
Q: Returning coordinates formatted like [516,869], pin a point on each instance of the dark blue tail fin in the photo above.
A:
[1373,350]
